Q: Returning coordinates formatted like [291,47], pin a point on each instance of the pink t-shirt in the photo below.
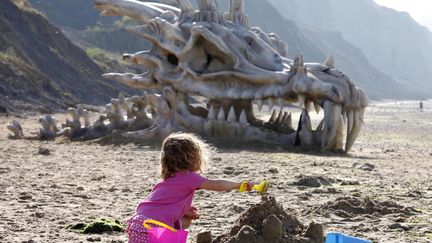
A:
[171,198]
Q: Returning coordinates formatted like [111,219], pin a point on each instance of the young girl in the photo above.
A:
[170,201]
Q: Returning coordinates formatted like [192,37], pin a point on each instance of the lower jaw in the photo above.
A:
[236,121]
[239,124]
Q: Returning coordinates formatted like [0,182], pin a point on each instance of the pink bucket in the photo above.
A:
[164,233]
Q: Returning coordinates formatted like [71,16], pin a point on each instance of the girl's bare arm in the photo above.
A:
[219,185]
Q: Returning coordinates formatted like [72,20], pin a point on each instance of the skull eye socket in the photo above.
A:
[172,59]
[249,40]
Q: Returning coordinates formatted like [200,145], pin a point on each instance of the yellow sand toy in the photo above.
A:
[260,188]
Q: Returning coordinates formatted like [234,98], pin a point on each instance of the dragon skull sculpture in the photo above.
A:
[202,52]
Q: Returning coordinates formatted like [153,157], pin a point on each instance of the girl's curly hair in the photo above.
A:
[182,152]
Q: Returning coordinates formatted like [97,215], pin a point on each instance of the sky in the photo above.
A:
[420,10]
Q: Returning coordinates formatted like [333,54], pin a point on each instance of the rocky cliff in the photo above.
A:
[41,68]
[83,25]
[393,43]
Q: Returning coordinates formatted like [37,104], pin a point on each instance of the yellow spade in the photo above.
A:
[260,188]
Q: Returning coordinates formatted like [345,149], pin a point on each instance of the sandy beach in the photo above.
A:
[390,165]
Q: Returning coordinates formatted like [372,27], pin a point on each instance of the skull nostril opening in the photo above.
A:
[126,57]
[172,59]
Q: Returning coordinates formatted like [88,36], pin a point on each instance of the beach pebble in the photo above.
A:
[44,151]
[126,190]
[94,239]
[273,170]
[400,219]
[350,183]
[28,241]
[414,194]
[228,170]
[204,237]
[112,189]
[364,166]
[25,196]
[308,182]
[38,215]
[399,226]
[31,206]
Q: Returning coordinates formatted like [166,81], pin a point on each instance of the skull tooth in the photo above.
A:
[231,115]
[288,121]
[273,117]
[344,117]
[361,115]
[269,91]
[247,94]
[339,134]
[211,114]
[304,130]
[332,114]
[270,103]
[320,126]
[317,107]
[243,118]
[259,94]
[86,116]
[280,117]
[259,104]
[350,120]
[308,105]
[356,127]
[284,118]
[221,114]
[301,100]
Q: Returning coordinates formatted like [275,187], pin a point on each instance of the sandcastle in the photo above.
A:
[269,222]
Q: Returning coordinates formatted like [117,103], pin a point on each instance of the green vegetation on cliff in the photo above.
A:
[40,68]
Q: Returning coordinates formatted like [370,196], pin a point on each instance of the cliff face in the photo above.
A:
[392,42]
[83,25]
[316,45]
[309,14]
[40,67]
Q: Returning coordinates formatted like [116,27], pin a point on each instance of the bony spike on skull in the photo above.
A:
[16,129]
[219,57]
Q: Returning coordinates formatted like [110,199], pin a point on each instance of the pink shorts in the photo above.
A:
[135,229]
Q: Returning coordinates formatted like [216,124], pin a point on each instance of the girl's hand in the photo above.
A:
[245,186]
[192,213]
[249,186]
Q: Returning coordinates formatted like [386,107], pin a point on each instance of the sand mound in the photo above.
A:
[268,222]
[350,207]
